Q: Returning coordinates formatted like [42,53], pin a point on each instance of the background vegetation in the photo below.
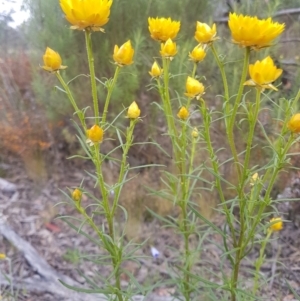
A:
[29,94]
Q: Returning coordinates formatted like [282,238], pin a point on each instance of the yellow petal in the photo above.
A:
[183,113]
[294,123]
[86,13]
[168,49]
[162,29]
[123,55]
[263,73]
[252,32]
[95,134]
[133,111]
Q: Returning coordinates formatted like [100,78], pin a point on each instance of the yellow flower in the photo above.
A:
[2,256]
[195,133]
[198,54]
[183,113]
[251,32]
[254,179]
[276,224]
[123,55]
[263,73]
[294,123]
[76,195]
[162,29]
[168,49]
[156,71]
[204,33]
[52,61]
[133,111]
[193,88]
[94,135]
[84,14]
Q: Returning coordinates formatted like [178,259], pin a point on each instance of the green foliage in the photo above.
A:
[47,21]
[72,256]
[238,115]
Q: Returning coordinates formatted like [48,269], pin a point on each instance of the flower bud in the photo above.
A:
[168,49]
[123,55]
[194,88]
[133,111]
[52,61]
[294,123]
[183,113]
[198,54]
[76,195]
[94,134]
[195,133]
[156,71]
[263,73]
[205,34]
[254,179]
[276,224]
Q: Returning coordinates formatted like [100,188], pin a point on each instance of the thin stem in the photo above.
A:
[110,89]
[72,100]
[194,140]
[222,70]
[252,120]
[168,109]
[113,250]
[123,169]
[90,56]
[278,167]
[183,205]
[231,114]
[194,70]
[239,252]
[259,261]
[213,159]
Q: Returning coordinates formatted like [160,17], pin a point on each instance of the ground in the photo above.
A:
[32,212]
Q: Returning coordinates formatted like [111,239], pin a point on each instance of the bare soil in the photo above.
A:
[32,212]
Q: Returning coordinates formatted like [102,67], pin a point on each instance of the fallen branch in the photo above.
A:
[6,186]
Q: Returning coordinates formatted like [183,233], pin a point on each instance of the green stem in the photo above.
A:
[168,110]
[110,89]
[263,205]
[123,168]
[223,74]
[72,100]
[279,166]
[231,114]
[194,70]
[113,250]
[252,120]
[213,159]
[191,161]
[239,253]
[183,204]
[260,261]
[90,56]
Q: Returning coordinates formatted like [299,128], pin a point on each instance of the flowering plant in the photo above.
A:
[254,184]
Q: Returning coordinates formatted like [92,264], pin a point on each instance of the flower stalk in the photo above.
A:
[90,56]
[110,88]
[72,100]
